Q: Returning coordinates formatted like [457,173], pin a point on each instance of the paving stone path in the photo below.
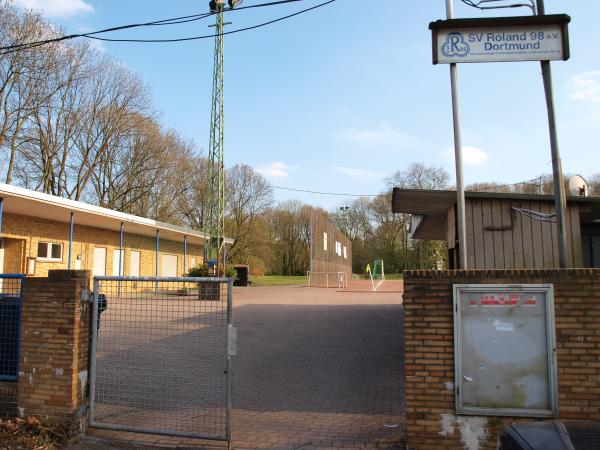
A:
[316,369]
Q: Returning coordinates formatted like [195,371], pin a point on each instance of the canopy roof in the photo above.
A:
[30,203]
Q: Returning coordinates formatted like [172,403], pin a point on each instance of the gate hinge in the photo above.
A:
[86,296]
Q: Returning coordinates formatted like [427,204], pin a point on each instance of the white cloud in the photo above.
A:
[58,8]
[383,134]
[472,156]
[586,86]
[360,174]
[276,169]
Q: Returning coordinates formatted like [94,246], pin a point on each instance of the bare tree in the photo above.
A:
[248,195]
[419,176]
[21,75]
[290,223]
[594,184]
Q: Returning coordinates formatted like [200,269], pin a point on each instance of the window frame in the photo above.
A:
[50,246]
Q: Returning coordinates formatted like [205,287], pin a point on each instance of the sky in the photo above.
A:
[338,99]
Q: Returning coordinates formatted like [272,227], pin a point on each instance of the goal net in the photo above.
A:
[378,272]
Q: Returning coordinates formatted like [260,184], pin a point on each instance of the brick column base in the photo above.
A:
[54,347]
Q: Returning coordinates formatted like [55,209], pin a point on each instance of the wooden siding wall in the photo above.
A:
[327,260]
[500,238]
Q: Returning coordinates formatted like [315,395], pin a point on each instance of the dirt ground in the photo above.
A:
[316,368]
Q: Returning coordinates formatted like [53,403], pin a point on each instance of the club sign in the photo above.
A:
[537,38]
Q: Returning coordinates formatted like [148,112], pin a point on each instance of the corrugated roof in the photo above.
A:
[434,204]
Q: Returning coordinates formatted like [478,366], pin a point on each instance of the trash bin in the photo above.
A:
[536,436]
[102,305]
[242,275]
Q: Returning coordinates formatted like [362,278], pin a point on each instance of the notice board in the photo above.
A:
[505,351]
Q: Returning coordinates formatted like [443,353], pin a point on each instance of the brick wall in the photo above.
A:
[8,399]
[429,353]
[54,346]
[31,230]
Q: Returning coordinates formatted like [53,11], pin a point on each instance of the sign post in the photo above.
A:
[557,173]
[460,185]
[541,38]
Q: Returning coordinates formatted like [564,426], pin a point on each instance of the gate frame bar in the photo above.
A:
[229,363]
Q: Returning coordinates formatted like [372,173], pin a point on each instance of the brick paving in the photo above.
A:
[316,369]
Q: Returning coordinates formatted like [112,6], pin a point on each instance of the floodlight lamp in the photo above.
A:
[216,4]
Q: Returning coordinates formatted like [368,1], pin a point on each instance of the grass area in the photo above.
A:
[394,276]
[276,280]
[388,276]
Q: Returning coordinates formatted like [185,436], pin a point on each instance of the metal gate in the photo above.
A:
[162,356]
[11,301]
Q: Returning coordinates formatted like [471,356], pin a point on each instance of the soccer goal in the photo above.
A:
[378,272]
[377,275]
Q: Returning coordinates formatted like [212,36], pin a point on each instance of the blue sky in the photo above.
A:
[337,99]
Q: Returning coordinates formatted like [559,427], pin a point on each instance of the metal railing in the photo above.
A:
[337,280]
[11,302]
[162,356]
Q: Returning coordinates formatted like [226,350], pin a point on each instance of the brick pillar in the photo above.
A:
[54,345]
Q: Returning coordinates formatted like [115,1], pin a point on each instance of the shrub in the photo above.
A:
[199,272]
[230,272]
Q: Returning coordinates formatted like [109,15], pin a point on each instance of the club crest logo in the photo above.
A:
[455,45]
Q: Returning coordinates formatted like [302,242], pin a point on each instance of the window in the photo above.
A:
[345,252]
[99,264]
[325,241]
[504,350]
[118,262]
[338,248]
[590,240]
[134,263]
[169,266]
[49,251]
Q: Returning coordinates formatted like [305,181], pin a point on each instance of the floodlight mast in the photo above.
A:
[214,225]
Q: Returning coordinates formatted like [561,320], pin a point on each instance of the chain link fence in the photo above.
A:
[11,300]
[161,356]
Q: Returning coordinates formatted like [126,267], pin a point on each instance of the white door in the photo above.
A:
[134,264]
[118,260]
[99,267]
[169,266]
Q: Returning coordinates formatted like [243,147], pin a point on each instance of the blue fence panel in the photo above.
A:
[11,301]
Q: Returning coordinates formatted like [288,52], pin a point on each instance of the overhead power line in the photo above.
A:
[173,21]
[208,36]
[325,193]
[482,4]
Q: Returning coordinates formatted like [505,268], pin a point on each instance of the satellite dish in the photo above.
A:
[578,187]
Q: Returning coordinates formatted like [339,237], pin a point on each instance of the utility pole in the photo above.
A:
[559,184]
[460,187]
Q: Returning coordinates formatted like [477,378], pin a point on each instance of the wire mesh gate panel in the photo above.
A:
[161,356]
[11,301]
